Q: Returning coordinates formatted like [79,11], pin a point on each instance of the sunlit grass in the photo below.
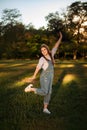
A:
[19,84]
[4,74]
[66,65]
[85,65]
[23,111]
[2,65]
[14,65]
[68,78]
[22,82]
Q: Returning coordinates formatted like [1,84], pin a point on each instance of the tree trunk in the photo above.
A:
[75,55]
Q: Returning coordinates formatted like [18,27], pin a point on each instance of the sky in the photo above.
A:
[35,11]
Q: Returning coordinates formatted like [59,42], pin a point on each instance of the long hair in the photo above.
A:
[49,52]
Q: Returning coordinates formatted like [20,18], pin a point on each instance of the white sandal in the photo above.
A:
[27,89]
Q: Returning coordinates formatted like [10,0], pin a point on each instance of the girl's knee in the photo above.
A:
[45,93]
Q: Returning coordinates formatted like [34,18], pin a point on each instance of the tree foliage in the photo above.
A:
[20,41]
[10,16]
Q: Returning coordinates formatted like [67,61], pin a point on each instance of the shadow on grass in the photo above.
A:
[68,101]
[21,111]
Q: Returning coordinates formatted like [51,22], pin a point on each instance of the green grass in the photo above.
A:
[23,111]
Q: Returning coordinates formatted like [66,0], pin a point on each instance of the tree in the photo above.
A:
[54,22]
[1,40]
[12,32]
[77,16]
[9,19]
[10,16]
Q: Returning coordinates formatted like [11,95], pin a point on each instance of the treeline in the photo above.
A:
[20,41]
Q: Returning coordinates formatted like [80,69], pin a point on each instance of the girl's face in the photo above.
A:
[44,51]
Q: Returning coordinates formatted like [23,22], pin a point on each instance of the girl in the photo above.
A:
[46,63]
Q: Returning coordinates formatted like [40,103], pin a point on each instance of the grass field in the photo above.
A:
[23,111]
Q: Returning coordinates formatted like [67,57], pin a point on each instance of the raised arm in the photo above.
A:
[59,41]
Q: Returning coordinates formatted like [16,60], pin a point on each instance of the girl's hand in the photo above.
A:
[27,80]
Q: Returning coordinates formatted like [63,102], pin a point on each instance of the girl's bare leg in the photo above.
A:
[45,106]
